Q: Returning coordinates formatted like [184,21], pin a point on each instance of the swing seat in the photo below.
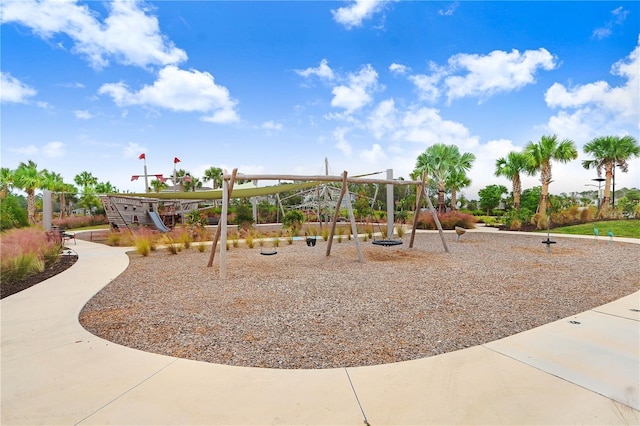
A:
[386,243]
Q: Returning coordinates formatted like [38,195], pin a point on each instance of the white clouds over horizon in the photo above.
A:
[592,109]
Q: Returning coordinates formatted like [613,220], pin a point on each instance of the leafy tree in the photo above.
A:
[88,183]
[244,214]
[630,202]
[361,206]
[609,152]
[12,214]
[540,155]
[490,196]
[530,198]
[28,178]
[511,167]
[440,161]
[293,219]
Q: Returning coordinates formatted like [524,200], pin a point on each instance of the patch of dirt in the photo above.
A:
[64,262]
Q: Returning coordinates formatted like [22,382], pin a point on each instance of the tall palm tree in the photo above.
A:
[609,152]
[6,181]
[510,167]
[440,161]
[213,174]
[456,181]
[29,178]
[540,155]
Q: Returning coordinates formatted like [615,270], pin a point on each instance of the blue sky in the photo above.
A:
[276,86]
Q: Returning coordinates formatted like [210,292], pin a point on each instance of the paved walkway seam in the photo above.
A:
[125,392]
[364,416]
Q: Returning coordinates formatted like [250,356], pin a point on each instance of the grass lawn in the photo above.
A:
[620,228]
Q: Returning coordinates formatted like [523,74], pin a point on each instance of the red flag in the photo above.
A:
[134,178]
[176,160]
[142,156]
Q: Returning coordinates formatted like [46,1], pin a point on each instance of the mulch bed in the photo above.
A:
[12,287]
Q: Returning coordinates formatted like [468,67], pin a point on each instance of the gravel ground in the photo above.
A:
[301,309]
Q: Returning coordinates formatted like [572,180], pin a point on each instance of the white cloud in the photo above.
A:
[271,125]
[356,94]
[127,35]
[179,90]
[374,154]
[399,68]
[322,71]
[427,86]
[597,108]
[425,126]
[26,150]
[499,71]
[449,11]
[352,16]
[83,114]
[13,90]
[133,150]
[482,76]
[383,119]
[619,15]
[342,144]
[54,150]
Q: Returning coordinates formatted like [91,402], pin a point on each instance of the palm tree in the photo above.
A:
[6,181]
[456,181]
[609,152]
[193,184]
[55,183]
[213,174]
[28,178]
[106,188]
[541,154]
[510,167]
[440,161]
[88,182]
[158,185]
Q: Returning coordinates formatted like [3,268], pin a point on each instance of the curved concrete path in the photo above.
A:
[55,372]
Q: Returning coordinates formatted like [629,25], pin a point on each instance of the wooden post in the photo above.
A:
[337,212]
[223,225]
[436,220]
[354,228]
[216,237]
[417,212]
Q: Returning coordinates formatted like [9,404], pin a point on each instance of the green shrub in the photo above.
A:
[293,220]
[21,267]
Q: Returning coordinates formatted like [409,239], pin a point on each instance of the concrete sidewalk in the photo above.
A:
[580,370]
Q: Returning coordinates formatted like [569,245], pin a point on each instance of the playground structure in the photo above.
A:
[143,209]
[125,212]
